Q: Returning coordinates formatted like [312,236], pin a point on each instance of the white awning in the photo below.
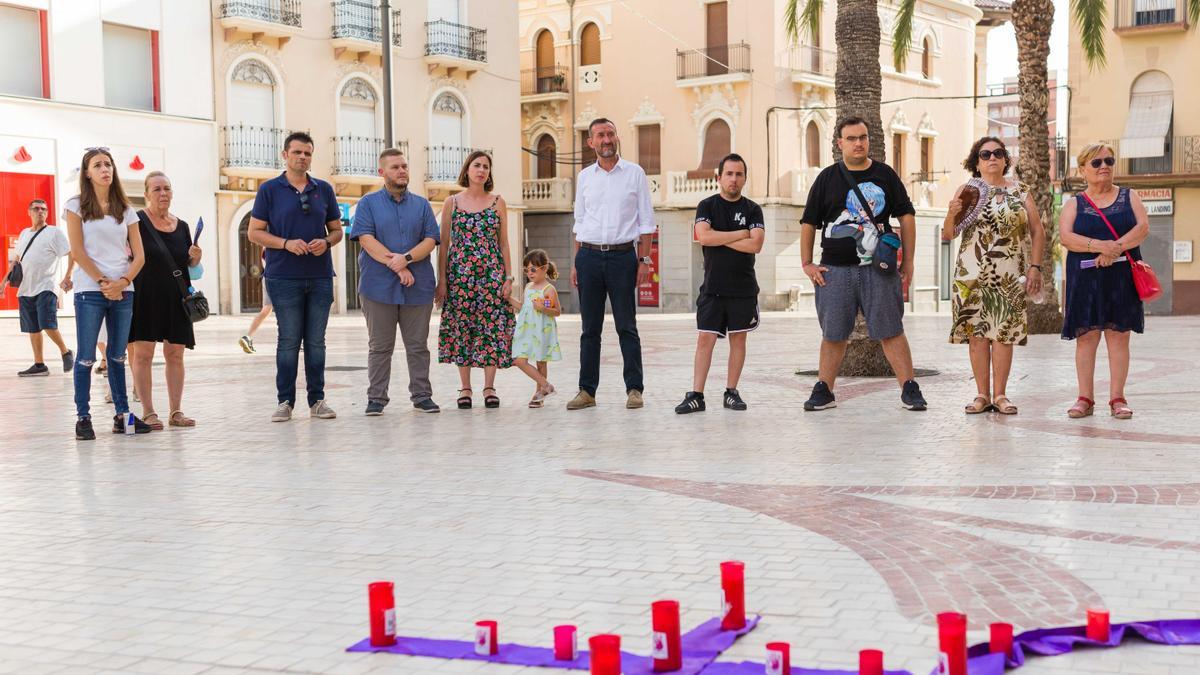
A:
[1147,126]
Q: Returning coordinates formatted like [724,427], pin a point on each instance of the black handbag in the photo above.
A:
[15,274]
[885,257]
[195,305]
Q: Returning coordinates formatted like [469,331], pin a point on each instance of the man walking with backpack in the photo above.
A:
[36,255]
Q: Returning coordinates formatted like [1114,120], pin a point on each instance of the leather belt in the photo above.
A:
[627,246]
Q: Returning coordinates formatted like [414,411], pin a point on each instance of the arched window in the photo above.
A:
[547,156]
[1146,142]
[448,137]
[812,145]
[717,139]
[357,104]
[927,58]
[252,94]
[589,45]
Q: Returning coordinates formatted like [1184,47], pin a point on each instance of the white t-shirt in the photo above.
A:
[106,242]
[40,264]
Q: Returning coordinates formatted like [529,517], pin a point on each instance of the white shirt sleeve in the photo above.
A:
[580,187]
[72,206]
[645,211]
[131,216]
[60,244]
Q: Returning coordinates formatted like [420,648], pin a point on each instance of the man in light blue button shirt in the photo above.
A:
[398,232]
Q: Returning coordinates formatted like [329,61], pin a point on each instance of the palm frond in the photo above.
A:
[1091,17]
[902,35]
[1194,12]
[800,21]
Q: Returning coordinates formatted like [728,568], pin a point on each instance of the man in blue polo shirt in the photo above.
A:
[297,220]
[398,233]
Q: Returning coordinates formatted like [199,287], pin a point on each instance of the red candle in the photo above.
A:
[566,646]
[605,654]
[486,633]
[952,641]
[665,647]
[1097,625]
[779,658]
[1002,638]
[381,602]
[870,662]
[733,595]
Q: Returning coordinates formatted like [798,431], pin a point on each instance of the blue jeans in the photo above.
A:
[302,312]
[611,276]
[91,307]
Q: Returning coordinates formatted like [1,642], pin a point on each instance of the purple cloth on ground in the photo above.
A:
[1055,641]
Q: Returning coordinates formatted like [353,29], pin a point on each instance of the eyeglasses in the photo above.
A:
[1106,161]
[532,268]
[998,153]
[857,139]
[39,208]
[305,208]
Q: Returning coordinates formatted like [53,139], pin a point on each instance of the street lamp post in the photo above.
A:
[386,32]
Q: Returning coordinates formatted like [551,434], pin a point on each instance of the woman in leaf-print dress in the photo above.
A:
[475,281]
[999,264]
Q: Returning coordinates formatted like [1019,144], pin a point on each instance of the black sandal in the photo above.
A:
[464,402]
[491,400]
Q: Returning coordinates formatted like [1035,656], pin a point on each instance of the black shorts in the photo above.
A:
[723,315]
[38,312]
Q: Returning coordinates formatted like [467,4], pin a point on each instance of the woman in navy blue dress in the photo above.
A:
[1101,298]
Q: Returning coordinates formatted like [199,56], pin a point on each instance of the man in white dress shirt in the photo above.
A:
[613,224]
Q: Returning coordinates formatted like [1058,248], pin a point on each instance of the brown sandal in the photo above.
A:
[976,408]
[152,420]
[1003,405]
[1077,411]
[1119,408]
[178,419]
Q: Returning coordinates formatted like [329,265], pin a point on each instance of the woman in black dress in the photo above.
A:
[158,314]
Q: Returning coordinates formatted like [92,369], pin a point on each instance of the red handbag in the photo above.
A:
[1145,281]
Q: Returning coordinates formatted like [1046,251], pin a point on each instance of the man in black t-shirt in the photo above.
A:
[845,281]
[730,229]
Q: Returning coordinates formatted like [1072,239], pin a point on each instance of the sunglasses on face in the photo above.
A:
[305,207]
[531,269]
[998,153]
[39,208]
[1107,161]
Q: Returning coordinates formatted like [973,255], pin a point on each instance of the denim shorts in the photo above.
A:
[39,312]
[849,289]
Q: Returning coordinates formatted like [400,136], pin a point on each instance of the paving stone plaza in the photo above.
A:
[243,546]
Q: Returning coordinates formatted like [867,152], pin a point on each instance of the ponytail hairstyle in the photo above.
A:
[538,258]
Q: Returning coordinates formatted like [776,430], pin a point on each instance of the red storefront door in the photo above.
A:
[16,191]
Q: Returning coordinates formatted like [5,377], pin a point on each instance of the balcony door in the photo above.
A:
[251,139]
[444,10]
[447,137]
[547,156]
[717,38]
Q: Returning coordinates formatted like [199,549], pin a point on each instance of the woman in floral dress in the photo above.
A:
[999,264]
[475,281]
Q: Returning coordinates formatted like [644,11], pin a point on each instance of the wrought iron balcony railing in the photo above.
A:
[446,38]
[252,147]
[1146,13]
[719,60]
[813,60]
[282,12]
[359,19]
[551,80]
[444,162]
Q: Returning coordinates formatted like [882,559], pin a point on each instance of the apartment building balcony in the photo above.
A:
[687,192]
[548,194]
[812,66]
[1149,17]
[279,19]
[719,64]
[356,28]
[251,151]
[356,159]
[1179,165]
[452,47]
[545,84]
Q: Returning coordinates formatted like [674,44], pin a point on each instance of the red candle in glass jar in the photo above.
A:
[486,635]
[665,642]
[381,602]
[870,662]
[733,595]
[1097,625]
[566,644]
[779,658]
[1001,638]
[605,653]
[952,642]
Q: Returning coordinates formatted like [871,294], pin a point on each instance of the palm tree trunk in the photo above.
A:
[1032,21]
[858,86]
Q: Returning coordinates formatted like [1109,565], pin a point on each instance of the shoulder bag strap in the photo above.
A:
[887,226]
[183,285]
[1102,216]
[35,236]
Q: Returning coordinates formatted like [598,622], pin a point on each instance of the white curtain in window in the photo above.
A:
[128,68]
[1151,104]
[446,10]
[20,52]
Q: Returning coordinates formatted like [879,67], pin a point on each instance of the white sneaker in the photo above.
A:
[321,410]
[283,413]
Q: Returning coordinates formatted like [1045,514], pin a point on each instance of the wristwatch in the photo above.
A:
[645,260]
[408,257]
